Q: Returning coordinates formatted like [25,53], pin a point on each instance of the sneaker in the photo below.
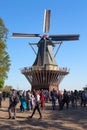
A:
[40,118]
[13,117]
[9,117]
[30,116]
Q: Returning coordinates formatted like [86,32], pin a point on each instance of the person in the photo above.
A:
[42,99]
[83,99]
[53,95]
[28,100]
[12,104]
[60,100]
[4,95]
[37,104]
[0,99]
[46,95]
[23,102]
[76,97]
[32,101]
[72,99]
[66,99]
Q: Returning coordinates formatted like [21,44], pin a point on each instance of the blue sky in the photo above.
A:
[67,17]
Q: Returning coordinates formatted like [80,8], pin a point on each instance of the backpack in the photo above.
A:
[16,100]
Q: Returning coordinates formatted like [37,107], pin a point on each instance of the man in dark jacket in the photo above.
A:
[12,104]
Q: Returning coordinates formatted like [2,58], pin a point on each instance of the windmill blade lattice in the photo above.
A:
[23,35]
[64,37]
[46,26]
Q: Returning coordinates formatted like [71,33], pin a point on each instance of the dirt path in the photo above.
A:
[71,119]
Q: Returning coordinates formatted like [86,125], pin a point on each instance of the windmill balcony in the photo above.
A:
[50,67]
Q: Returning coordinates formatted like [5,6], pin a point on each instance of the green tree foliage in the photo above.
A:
[85,88]
[1,84]
[4,56]
[7,88]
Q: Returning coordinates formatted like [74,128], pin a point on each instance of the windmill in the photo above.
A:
[45,73]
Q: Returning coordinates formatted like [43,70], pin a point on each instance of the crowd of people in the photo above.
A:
[29,100]
[68,98]
[2,96]
[37,99]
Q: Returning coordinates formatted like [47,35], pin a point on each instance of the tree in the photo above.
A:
[1,83]
[7,88]
[85,88]
[4,56]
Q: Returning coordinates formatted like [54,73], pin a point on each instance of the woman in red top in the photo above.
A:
[42,99]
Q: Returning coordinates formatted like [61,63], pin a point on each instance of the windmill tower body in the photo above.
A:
[45,73]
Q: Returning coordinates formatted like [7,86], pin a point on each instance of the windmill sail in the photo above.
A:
[64,37]
[46,26]
[23,35]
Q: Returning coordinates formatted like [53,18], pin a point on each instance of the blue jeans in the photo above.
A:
[29,105]
[53,103]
